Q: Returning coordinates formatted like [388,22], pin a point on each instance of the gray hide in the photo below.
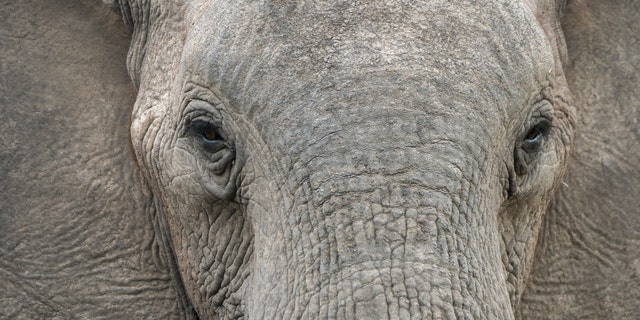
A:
[367,170]
[76,218]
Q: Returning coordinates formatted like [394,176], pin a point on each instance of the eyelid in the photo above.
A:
[204,112]
[539,125]
[543,126]
[195,132]
[541,116]
[543,109]
[198,126]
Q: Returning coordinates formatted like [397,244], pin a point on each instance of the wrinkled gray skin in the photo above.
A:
[370,160]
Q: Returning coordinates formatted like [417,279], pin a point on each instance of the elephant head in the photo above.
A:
[332,159]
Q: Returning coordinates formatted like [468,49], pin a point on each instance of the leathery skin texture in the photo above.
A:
[349,160]
[323,159]
[77,237]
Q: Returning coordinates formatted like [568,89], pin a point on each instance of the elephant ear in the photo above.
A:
[587,263]
[76,219]
[136,17]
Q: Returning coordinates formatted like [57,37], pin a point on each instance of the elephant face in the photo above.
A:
[329,159]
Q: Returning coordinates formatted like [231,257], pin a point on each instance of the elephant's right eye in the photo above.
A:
[207,131]
[207,135]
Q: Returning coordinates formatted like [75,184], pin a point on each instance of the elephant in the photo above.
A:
[320,159]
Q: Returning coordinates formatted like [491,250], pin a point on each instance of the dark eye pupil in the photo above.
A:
[533,134]
[210,134]
[205,131]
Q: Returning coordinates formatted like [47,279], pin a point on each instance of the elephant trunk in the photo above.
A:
[377,229]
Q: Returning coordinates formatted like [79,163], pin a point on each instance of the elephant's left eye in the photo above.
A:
[534,137]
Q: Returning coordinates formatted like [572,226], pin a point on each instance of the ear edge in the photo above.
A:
[122,8]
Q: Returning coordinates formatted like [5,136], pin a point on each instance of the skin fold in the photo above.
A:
[77,235]
[321,159]
[369,176]
[586,265]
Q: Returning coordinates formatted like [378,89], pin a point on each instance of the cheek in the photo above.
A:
[186,202]
[549,171]
[520,217]
[179,169]
[211,238]
[536,186]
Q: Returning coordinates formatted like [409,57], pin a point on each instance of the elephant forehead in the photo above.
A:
[477,49]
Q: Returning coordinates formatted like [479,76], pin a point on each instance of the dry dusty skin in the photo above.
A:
[319,159]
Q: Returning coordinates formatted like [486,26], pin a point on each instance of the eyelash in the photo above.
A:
[206,131]
[203,131]
[534,137]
